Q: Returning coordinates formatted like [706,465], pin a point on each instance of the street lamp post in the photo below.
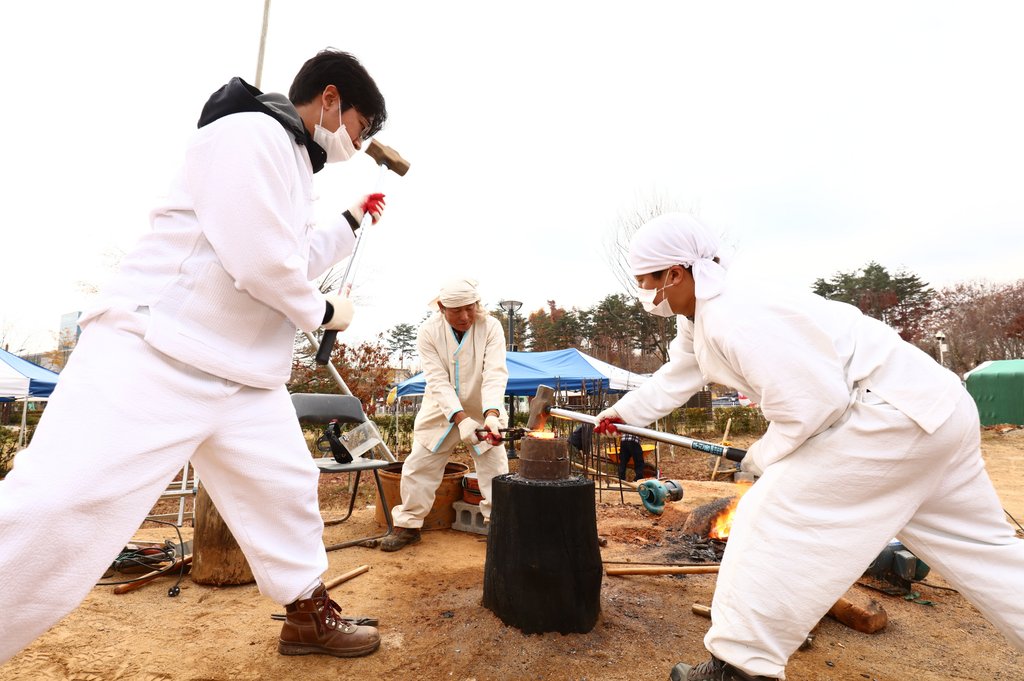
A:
[511,307]
[940,338]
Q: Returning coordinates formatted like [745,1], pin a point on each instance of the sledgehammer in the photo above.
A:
[388,159]
[543,405]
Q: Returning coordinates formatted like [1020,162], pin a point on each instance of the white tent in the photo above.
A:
[12,382]
[23,381]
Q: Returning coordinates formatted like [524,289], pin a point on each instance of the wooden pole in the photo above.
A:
[725,439]
[662,570]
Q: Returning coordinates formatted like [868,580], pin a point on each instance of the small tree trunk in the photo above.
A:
[217,559]
[543,568]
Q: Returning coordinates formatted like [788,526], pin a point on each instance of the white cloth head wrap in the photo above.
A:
[458,292]
[678,239]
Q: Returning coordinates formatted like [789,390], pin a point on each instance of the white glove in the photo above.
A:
[608,413]
[493,424]
[467,431]
[342,314]
[372,204]
[748,465]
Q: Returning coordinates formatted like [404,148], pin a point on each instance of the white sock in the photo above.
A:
[309,590]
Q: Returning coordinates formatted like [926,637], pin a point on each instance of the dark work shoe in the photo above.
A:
[402,537]
[712,670]
[314,626]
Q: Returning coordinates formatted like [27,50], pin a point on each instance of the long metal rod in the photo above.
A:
[323,353]
[731,453]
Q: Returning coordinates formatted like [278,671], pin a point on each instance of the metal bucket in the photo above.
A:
[442,513]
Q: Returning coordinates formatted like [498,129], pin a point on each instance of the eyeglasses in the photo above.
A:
[364,131]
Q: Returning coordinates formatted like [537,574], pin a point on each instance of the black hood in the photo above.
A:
[237,96]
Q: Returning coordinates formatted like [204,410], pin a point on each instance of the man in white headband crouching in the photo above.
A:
[462,349]
[869,439]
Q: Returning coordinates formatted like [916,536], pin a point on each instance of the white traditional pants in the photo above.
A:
[811,525]
[121,423]
[423,470]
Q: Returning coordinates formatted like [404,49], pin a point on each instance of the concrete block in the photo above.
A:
[468,518]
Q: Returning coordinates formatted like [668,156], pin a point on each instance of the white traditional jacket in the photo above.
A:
[468,375]
[227,271]
[802,358]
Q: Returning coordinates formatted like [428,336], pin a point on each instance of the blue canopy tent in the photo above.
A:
[23,380]
[567,369]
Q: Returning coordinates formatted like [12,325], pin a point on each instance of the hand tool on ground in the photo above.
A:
[543,405]
[388,159]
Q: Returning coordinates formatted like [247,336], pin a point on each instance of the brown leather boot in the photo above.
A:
[403,536]
[314,626]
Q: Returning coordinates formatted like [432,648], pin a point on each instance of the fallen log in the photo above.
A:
[868,619]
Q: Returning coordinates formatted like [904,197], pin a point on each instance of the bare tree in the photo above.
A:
[654,333]
[980,321]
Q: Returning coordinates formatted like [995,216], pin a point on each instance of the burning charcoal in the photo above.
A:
[700,520]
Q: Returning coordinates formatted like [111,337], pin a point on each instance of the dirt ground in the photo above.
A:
[428,598]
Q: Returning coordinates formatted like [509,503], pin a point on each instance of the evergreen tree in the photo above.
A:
[902,300]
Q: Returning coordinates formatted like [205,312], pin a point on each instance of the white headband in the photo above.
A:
[458,292]
[678,239]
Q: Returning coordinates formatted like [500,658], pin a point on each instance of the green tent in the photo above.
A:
[998,389]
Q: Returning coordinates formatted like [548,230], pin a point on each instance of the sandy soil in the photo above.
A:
[434,627]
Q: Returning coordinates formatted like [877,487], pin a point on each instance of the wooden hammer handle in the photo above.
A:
[344,577]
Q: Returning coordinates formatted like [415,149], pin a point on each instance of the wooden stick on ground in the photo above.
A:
[342,578]
[662,570]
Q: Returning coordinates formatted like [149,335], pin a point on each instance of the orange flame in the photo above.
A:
[721,524]
[542,434]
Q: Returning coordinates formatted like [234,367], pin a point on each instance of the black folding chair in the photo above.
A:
[361,439]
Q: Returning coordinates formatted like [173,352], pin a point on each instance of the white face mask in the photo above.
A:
[646,297]
[337,144]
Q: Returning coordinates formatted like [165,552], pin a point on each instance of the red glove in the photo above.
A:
[372,204]
[606,421]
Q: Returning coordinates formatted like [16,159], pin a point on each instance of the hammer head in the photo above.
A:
[540,406]
[386,156]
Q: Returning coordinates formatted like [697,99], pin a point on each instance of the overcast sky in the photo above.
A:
[815,137]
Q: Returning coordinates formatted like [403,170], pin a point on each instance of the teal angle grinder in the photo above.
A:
[653,493]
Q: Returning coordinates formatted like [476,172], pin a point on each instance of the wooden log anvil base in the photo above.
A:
[543,570]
